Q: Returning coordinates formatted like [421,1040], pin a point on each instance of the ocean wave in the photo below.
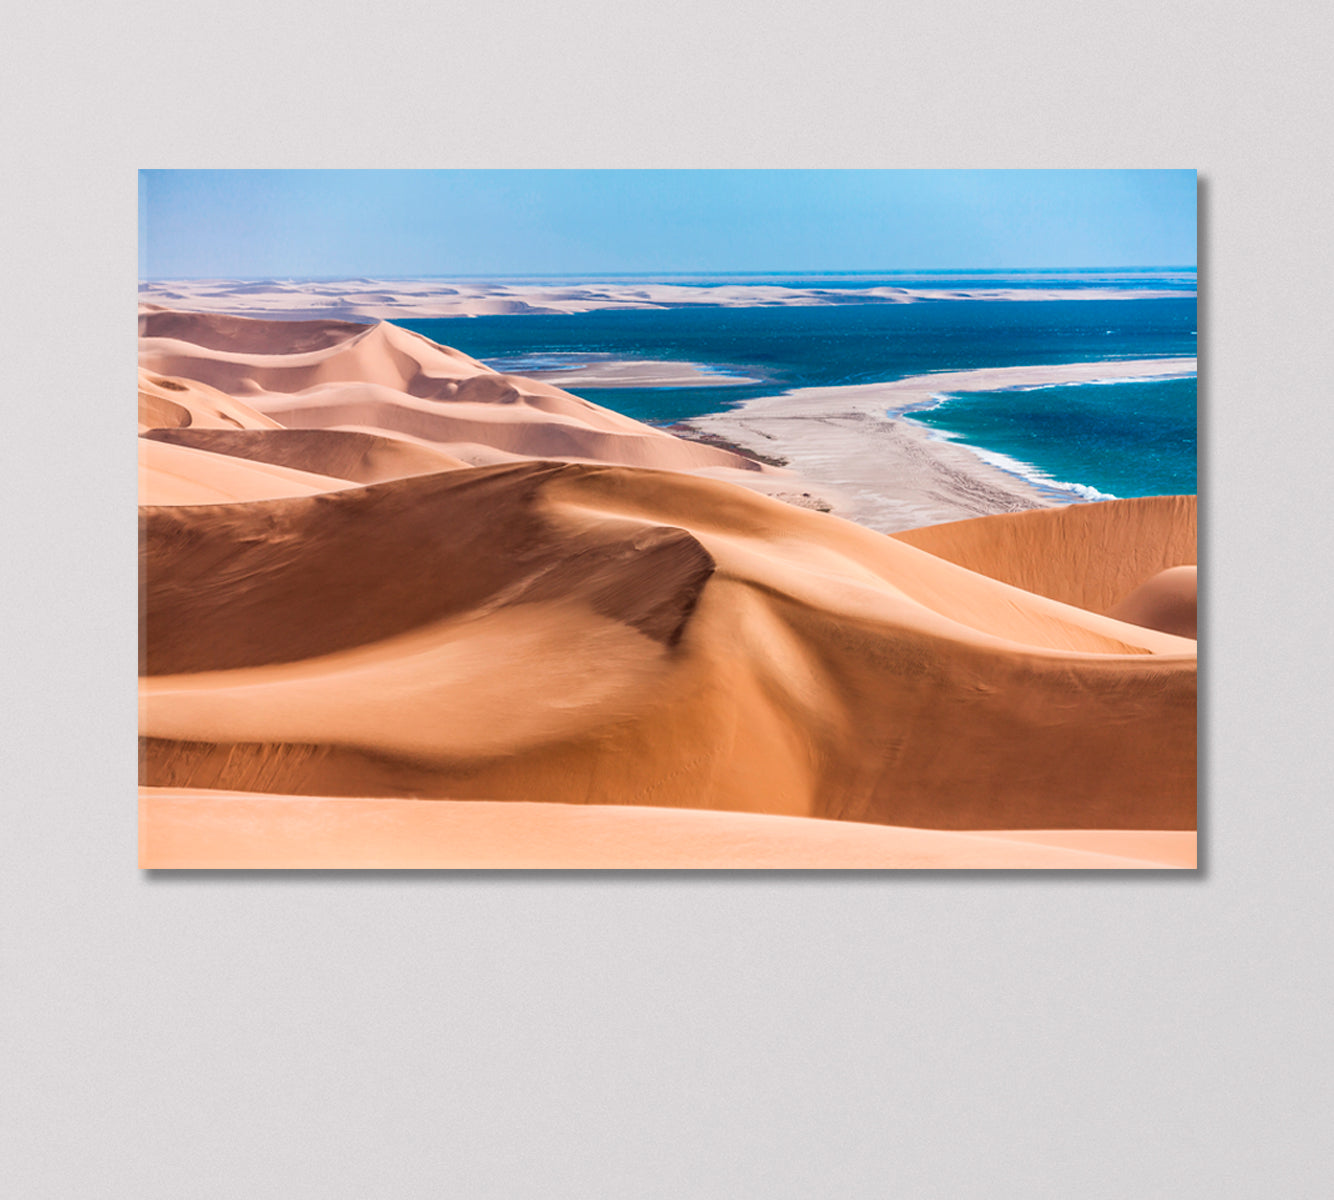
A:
[1026,471]
[940,398]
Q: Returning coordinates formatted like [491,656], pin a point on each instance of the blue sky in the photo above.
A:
[339,224]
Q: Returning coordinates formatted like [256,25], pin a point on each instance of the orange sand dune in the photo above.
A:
[183,828]
[503,418]
[1090,555]
[397,382]
[238,355]
[608,635]
[380,576]
[469,454]
[361,457]
[174,474]
[167,403]
[218,331]
[1167,602]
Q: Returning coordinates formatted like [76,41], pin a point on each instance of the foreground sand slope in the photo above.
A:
[183,828]
[609,635]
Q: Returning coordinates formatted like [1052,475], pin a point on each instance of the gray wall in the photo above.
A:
[964,1035]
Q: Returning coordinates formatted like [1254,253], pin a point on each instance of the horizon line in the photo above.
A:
[592,276]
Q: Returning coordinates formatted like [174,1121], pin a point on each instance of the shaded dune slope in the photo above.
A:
[244,335]
[218,331]
[610,635]
[175,474]
[1089,555]
[287,580]
[358,456]
[167,403]
[1167,601]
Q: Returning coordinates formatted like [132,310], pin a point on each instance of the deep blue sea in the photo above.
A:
[1113,439]
[1122,438]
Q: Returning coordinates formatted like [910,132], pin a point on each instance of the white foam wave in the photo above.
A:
[1035,475]
[1023,470]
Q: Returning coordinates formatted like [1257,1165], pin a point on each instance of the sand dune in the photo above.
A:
[1090,555]
[389,379]
[167,403]
[359,456]
[210,829]
[177,474]
[345,611]
[808,665]
[514,423]
[218,331]
[1167,601]
[238,356]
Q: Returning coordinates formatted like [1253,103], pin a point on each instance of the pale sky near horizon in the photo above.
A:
[386,224]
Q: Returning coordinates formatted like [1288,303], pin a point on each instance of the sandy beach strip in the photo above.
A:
[891,473]
[610,372]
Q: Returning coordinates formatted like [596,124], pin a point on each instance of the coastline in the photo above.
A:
[419,299]
[608,371]
[891,473]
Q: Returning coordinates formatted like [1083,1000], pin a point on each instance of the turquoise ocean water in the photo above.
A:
[1098,439]
[1116,438]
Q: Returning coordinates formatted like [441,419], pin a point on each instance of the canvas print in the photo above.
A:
[667,519]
